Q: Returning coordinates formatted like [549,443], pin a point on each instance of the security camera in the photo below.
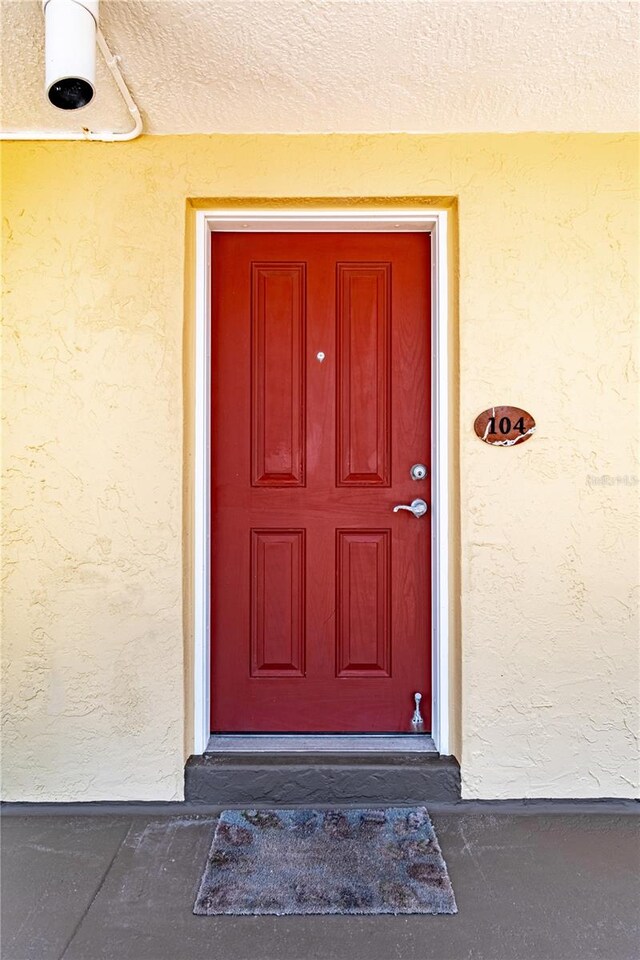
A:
[70,52]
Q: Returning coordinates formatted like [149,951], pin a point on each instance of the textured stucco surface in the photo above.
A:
[93,648]
[339,66]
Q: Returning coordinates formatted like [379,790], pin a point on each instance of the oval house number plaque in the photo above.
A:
[504,426]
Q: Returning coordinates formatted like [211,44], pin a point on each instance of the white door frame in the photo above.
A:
[433,221]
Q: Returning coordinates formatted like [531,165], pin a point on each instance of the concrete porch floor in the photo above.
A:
[529,886]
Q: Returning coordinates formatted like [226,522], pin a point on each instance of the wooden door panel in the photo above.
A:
[363,374]
[320,607]
[278,325]
[363,603]
[278,564]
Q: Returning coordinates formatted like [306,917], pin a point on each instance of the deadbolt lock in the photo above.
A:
[418,471]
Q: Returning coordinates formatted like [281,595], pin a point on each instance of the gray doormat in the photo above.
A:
[325,861]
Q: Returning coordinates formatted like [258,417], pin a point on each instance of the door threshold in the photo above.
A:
[330,743]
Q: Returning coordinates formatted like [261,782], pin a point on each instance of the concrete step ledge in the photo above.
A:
[538,807]
[321,779]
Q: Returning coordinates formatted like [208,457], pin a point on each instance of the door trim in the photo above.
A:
[431,220]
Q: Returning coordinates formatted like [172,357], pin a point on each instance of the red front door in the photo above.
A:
[320,604]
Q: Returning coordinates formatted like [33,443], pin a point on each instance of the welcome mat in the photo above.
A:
[325,861]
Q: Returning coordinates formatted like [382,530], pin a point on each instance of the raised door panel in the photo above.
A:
[277,603]
[363,433]
[278,328]
[363,577]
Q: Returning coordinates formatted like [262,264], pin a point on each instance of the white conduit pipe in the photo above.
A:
[85,134]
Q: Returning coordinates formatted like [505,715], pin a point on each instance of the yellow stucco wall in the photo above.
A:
[94,266]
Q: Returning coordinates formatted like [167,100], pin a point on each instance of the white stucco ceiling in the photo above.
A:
[431,66]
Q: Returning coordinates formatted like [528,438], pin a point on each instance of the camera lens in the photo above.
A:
[71,93]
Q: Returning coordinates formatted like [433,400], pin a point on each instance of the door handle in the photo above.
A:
[417,507]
